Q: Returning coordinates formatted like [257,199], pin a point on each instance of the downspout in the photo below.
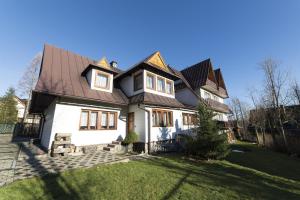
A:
[42,125]
[149,127]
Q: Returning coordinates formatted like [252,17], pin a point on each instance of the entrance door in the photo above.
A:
[130,122]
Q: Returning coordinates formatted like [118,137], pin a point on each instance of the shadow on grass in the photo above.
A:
[267,161]
[245,182]
[54,185]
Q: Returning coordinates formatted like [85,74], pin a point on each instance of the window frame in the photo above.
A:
[171,85]
[163,86]
[153,82]
[191,119]
[107,83]
[160,118]
[98,120]
[135,87]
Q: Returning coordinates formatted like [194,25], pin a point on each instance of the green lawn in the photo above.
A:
[256,174]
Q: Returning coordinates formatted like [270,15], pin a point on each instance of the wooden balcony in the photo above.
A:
[217,106]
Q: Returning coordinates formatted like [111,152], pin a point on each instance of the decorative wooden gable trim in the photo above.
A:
[211,75]
[157,60]
[104,63]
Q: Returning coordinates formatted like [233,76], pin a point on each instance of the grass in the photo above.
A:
[255,174]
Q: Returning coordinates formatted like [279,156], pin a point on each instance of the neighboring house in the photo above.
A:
[29,118]
[98,103]
[21,106]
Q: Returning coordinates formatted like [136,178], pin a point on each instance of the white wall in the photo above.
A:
[47,127]
[21,109]
[140,122]
[66,120]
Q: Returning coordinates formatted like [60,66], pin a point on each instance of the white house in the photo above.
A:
[98,103]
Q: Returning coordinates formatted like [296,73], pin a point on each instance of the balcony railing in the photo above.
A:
[215,105]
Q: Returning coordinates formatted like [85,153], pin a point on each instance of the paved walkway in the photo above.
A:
[8,155]
[17,162]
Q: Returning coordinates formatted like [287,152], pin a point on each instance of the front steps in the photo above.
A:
[114,147]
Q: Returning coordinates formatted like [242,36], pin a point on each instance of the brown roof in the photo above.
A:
[197,74]
[60,75]
[154,99]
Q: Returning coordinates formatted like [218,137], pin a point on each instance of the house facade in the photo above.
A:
[98,103]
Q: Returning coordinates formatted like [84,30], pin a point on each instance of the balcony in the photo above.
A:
[217,106]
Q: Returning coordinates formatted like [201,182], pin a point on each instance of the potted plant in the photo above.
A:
[130,138]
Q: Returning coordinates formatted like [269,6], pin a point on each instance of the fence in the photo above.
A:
[7,128]
[275,140]
[21,129]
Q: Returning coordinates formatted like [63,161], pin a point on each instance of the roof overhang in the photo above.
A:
[91,66]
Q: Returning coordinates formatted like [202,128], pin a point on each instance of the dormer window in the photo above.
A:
[169,87]
[150,81]
[160,84]
[102,80]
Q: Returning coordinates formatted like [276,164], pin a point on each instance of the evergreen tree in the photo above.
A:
[8,107]
[209,142]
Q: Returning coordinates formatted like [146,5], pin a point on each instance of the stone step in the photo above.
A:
[111,145]
[106,148]
[116,142]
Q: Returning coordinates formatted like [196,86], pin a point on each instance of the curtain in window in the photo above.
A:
[169,88]
[84,119]
[111,119]
[93,119]
[101,80]
[104,119]
[150,82]
[160,84]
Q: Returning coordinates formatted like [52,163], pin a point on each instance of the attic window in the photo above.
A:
[102,80]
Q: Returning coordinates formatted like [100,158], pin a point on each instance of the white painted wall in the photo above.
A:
[66,120]
[140,121]
[47,127]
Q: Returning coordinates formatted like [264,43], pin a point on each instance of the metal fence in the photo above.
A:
[7,128]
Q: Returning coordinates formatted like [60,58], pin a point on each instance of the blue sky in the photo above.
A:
[236,35]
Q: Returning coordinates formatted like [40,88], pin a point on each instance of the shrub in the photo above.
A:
[130,138]
[209,142]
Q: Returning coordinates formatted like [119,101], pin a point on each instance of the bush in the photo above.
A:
[209,142]
[130,138]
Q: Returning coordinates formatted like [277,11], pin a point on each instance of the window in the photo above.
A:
[138,81]
[189,119]
[160,85]
[162,118]
[102,80]
[207,95]
[98,120]
[84,120]
[215,98]
[150,81]
[169,87]
[93,120]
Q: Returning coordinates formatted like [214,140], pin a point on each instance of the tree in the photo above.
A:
[209,142]
[8,107]
[296,92]
[241,112]
[274,93]
[29,79]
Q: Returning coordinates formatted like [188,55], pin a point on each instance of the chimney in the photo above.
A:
[114,64]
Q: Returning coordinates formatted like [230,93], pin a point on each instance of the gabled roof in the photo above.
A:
[154,62]
[154,99]
[60,75]
[198,74]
